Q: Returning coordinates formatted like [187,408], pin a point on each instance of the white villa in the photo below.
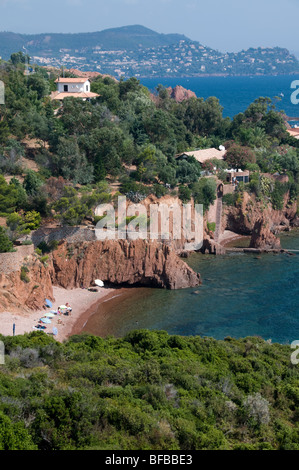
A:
[76,87]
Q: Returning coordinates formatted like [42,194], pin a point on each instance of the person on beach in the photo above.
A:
[69,308]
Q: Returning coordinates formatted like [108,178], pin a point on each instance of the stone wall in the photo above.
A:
[70,234]
[10,262]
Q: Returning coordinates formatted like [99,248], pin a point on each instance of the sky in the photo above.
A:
[226,25]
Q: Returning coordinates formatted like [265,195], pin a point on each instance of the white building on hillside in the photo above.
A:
[76,87]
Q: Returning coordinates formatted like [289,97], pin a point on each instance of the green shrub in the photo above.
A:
[229,199]
[185,194]
[27,242]
[277,195]
[44,259]
[5,244]
[24,277]
[211,226]
[204,192]
[45,247]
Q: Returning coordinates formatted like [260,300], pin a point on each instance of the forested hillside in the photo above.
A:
[148,390]
[59,162]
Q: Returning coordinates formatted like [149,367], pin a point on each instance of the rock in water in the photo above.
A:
[262,237]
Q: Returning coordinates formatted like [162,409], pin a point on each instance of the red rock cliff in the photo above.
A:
[121,262]
[78,265]
[17,295]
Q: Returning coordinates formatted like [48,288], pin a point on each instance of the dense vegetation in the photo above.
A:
[149,390]
[128,137]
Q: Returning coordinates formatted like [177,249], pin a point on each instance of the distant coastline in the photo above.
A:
[141,52]
[204,75]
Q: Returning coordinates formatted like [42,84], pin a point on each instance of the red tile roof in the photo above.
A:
[71,80]
[205,154]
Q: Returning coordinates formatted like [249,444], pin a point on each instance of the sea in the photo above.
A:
[241,294]
[236,93]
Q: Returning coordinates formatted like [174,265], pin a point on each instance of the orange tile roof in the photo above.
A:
[205,154]
[71,80]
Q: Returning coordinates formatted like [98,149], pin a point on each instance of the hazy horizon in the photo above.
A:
[226,27]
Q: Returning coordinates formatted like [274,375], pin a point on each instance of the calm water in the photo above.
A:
[241,295]
[235,93]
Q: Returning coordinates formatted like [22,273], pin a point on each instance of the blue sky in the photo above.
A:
[227,25]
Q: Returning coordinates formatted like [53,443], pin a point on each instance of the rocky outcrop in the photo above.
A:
[26,291]
[180,94]
[242,219]
[139,263]
[262,237]
[212,247]
[295,222]
[121,263]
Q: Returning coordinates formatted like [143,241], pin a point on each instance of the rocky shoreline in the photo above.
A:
[73,265]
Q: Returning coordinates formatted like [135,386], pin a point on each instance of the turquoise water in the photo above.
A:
[235,93]
[241,295]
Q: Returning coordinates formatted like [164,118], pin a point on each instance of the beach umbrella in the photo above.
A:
[45,320]
[49,315]
[99,283]
[48,303]
[53,311]
[63,307]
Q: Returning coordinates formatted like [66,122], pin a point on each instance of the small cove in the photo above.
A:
[241,295]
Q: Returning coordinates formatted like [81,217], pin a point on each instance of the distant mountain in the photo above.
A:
[124,38]
[296,54]
[141,52]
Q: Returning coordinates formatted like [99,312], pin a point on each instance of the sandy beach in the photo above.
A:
[84,305]
[227,237]
[82,301]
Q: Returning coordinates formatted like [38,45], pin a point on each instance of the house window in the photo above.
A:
[86,87]
[65,88]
